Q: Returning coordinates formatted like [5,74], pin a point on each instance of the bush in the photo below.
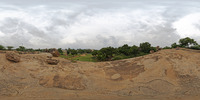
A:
[134,50]
[145,47]
[174,45]
[105,54]
[154,49]
[118,57]
[167,47]
[125,49]
[2,47]
[94,53]
[196,47]
[21,48]
[60,51]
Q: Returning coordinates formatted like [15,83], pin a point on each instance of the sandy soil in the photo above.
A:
[164,75]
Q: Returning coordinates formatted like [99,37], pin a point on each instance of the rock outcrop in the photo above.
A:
[12,56]
[52,61]
[55,53]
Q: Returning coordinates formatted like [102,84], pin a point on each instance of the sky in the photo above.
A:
[97,23]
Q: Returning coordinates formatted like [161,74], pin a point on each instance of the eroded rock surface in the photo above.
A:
[12,56]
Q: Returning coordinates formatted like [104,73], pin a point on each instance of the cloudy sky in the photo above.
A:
[97,23]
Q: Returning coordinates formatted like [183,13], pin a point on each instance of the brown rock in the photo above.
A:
[115,76]
[152,51]
[52,61]
[70,82]
[12,56]
[158,48]
[55,53]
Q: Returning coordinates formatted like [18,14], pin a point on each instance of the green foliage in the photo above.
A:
[38,50]
[87,57]
[174,45]
[196,47]
[186,42]
[74,52]
[166,47]
[30,50]
[95,52]
[153,48]
[141,54]
[145,47]
[125,49]
[106,54]
[2,47]
[60,51]
[88,50]
[134,50]
[10,47]
[80,51]
[118,57]
[21,48]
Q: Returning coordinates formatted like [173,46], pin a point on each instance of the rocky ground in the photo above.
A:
[164,75]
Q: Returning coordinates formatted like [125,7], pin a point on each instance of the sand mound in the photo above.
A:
[167,73]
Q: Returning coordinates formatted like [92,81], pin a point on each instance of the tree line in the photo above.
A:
[111,53]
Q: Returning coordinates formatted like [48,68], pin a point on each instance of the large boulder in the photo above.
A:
[52,61]
[12,56]
[55,53]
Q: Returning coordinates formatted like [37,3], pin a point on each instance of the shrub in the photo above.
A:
[2,47]
[145,47]
[196,47]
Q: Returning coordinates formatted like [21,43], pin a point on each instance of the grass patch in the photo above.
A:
[85,57]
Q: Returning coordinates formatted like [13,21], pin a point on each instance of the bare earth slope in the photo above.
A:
[164,75]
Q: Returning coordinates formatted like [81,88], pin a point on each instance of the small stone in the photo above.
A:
[115,76]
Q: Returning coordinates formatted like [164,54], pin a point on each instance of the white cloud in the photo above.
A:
[186,26]
[95,24]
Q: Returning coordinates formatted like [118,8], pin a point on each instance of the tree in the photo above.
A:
[60,51]
[10,47]
[21,48]
[145,47]
[2,47]
[94,53]
[30,49]
[134,50]
[124,49]
[186,42]
[68,50]
[88,51]
[166,47]
[174,45]
[106,53]
[80,51]
[74,52]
